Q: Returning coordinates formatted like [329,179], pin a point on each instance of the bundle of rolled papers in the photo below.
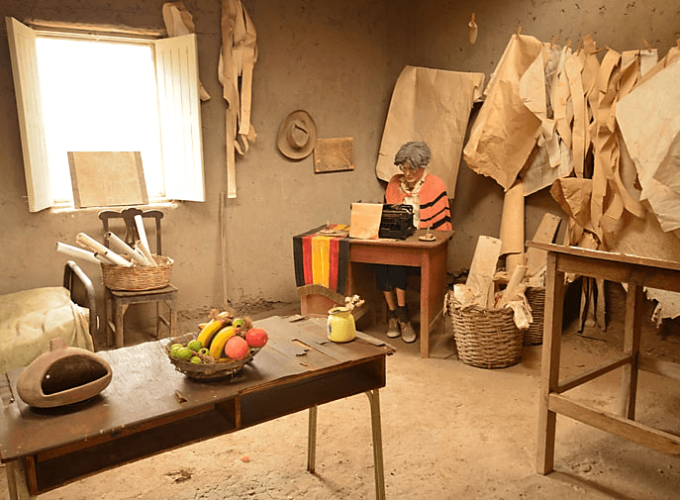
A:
[95,252]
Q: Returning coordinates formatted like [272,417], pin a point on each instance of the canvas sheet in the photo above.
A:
[434,106]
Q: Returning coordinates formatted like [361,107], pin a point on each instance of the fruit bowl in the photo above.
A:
[224,368]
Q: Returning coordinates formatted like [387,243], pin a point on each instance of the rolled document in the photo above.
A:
[144,251]
[143,241]
[120,246]
[79,253]
[86,242]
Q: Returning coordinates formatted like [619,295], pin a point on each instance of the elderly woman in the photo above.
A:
[427,194]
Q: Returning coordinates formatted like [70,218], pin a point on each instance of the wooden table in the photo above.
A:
[150,408]
[429,256]
[635,272]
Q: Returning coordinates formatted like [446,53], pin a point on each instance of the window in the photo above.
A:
[81,92]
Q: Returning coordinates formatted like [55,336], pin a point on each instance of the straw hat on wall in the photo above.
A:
[297,135]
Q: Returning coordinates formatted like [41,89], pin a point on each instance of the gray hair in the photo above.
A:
[415,153]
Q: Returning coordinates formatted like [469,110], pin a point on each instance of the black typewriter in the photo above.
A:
[396,222]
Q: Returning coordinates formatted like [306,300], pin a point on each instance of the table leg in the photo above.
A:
[425,291]
[550,365]
[119,314]
[432,291]
[311,439]
[16,481]
[108,315]
[631,347]
[374,400]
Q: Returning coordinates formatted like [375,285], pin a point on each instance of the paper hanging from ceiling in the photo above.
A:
[506,130]
[434,106]
[649,121]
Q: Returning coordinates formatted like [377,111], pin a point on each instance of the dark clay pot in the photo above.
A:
[63,376]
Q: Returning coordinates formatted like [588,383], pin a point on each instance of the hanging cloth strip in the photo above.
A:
[322,260]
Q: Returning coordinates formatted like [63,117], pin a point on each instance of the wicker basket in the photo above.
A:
[486,338]
[536,298]
[206,372]
[138,278]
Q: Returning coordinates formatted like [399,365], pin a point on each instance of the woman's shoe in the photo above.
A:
[393,330]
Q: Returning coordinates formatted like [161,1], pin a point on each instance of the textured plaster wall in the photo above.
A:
[337,60]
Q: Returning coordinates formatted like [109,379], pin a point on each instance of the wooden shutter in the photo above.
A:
[29,107]
[180,117]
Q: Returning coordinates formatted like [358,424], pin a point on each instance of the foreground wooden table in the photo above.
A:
[635,272]
[150,408]
[429,256]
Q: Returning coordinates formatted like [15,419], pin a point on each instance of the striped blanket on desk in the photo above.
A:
[322,260]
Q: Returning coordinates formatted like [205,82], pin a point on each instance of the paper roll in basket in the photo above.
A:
[138,278]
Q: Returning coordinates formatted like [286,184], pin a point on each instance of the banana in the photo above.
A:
[218,343]
[209,330]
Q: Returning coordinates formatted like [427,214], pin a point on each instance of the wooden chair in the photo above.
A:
[117,301]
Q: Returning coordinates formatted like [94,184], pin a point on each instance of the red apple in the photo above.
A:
[256,337]
[236,348]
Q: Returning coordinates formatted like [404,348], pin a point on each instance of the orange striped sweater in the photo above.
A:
[434,203]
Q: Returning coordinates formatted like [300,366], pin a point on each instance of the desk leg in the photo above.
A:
[374,400]
[432,291]
[311,440]
[16,481]
[631,347]
[550,365]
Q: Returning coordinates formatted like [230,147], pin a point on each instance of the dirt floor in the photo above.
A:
[450,431]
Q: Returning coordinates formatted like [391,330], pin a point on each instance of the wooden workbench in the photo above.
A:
[635,273]
[149,407]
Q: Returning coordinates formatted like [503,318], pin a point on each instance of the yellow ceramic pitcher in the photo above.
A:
[341,327]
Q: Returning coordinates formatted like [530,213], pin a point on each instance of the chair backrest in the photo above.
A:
[128,217]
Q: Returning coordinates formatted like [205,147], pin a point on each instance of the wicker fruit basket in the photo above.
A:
[138,278]
[536,298]
[206,372]
[486,338]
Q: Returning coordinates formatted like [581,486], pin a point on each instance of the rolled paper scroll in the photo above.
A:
[143,241]
[120,246]
[79,253]
[86,242]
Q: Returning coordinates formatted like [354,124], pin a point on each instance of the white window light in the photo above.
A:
[91,93]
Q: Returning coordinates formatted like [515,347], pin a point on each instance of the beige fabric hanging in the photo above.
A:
[237,60]
[178,22]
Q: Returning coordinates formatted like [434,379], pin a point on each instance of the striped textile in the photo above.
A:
[322,260]
[434,203]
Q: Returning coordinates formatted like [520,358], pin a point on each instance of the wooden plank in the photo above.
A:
[544,234]
[107,178]
[619,426]
[483,267]
[575,381]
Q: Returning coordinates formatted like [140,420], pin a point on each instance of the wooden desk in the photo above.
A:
[150,408]
[430,257]
[636,272]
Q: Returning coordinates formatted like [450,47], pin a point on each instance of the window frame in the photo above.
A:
[178,91]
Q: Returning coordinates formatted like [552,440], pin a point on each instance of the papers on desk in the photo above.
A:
[365,221]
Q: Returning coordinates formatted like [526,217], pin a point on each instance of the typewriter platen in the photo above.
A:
[396,222]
